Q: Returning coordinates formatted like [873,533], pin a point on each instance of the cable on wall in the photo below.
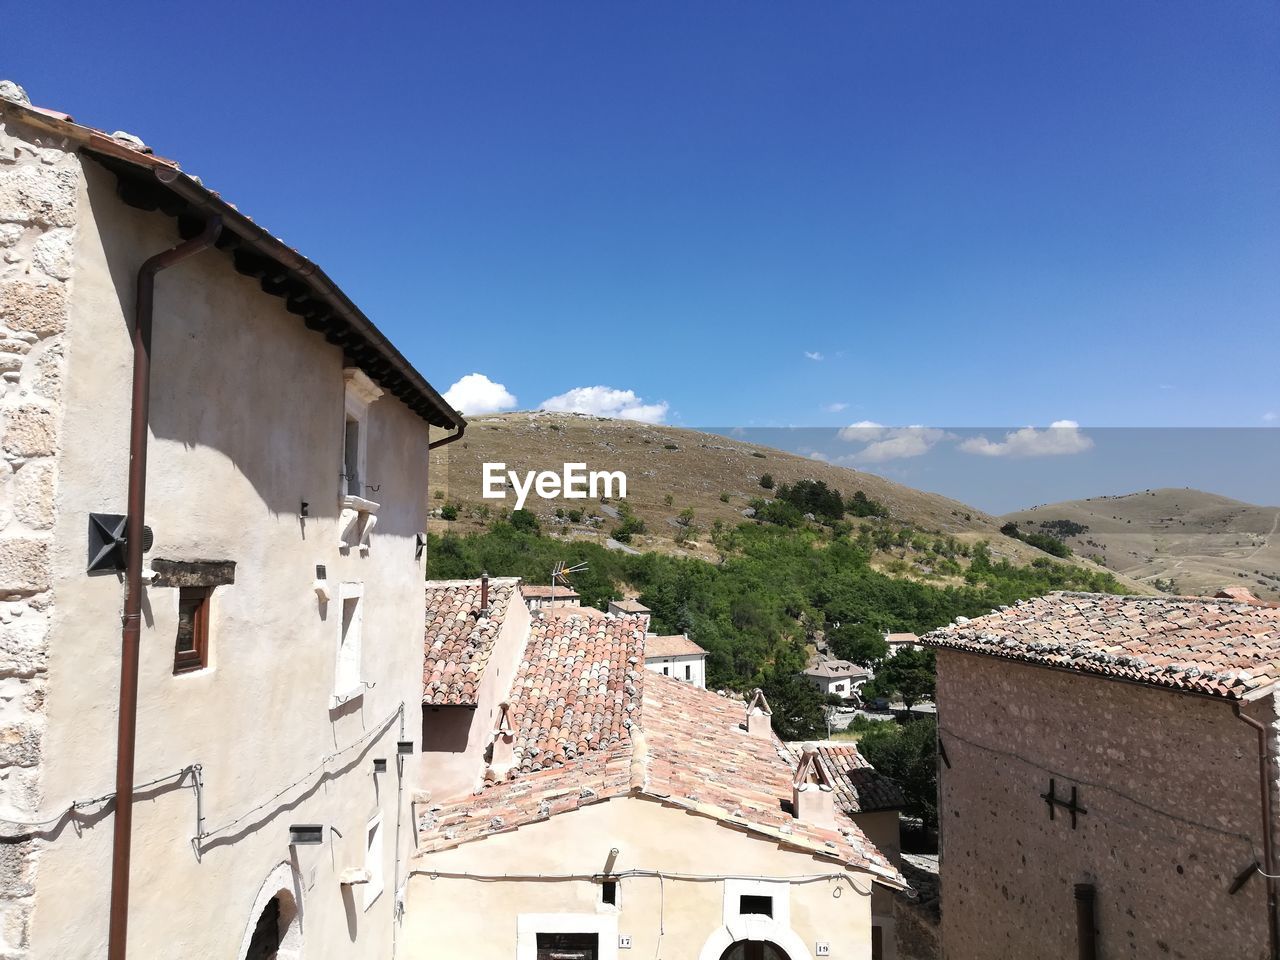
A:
[71,808]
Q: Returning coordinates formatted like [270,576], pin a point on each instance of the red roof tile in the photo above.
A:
[459,640]
[577,688]
[674,646]
[860,787]
[1219,647]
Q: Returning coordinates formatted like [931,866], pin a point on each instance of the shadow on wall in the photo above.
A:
[234,371]
[446,729]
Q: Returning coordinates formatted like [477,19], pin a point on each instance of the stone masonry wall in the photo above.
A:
[38,189]
[1170,785]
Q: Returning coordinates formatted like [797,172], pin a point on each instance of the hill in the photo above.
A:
[1178,540]
[672,471]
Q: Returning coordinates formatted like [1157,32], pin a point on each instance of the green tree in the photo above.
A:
[908,676]
[525,520]
[859,642]
[766,480]
[449,512]
[907,754]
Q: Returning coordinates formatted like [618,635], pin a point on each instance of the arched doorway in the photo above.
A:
[274,929]
[754,950]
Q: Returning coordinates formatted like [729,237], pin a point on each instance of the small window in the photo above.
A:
[351,458]
[688,671]
[752,903]
[666,671]
[191,648]
[373,861]
[568,946]
[609,892]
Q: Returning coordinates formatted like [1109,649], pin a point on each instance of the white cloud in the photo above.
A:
[607,402]
[819,456]
[864,431]
[475,394]
[1060,437]
[1271,416]
[897,443]
[835,407]
[813,355]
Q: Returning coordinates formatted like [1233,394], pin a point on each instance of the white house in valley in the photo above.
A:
[676,656]
[273,605]
[838,677]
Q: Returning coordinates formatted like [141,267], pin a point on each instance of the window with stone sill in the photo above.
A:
[357,516]
[348,682]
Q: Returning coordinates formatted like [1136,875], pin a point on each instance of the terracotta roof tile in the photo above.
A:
[542,590]
[860,787]
[458,640]
[1220,647]
[674,646]
[837,668]
[577,688]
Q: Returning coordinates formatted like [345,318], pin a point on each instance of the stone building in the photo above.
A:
[1107,778]
[617,812]
[280,593]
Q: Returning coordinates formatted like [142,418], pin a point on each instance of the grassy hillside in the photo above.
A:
[1181,541]
[682,483]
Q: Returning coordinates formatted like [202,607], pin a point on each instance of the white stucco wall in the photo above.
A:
[448,773]
[247,418]
[694,666]
[675,918]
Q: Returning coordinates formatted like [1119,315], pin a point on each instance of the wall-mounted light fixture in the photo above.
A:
[420,544]
[304,509]
[306,834]
[380,765]
[404,747]
[321,583]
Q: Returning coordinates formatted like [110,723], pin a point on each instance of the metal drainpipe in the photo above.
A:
[122,836]
[462,427]
[1268,840]
[1086,926]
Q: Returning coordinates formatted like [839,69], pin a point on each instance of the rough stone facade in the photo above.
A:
[1170,785]
[38,191]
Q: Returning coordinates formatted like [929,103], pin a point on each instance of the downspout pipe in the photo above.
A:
[1268,838]
[126,739]
[443,441]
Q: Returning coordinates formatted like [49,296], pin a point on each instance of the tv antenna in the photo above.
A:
[560,576]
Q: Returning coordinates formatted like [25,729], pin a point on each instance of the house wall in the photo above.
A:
[448,773]
[226,477]
[1170,783]
[672,919]
[697,666]
[881,828]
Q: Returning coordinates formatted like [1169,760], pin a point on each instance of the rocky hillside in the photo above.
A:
[1180,541]
[671,471]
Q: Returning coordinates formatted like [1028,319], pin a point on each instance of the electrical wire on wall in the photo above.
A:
[369,735]
[638,873]
[1112,817]
[69,809]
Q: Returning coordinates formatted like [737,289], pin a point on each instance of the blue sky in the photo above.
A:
[747,213]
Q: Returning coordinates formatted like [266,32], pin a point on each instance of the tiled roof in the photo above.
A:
[1219,647]
[577,688]
[673,646]
[675,743]
[629,606]
[837,668]
[458,640]
[1244,595]
[543,590]
[699,756]
[560,612]
[860,787]
[892,638]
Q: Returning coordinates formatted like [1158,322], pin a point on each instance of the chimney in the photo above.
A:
[813,797]
[759,723]
[484,593]
[503,755]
